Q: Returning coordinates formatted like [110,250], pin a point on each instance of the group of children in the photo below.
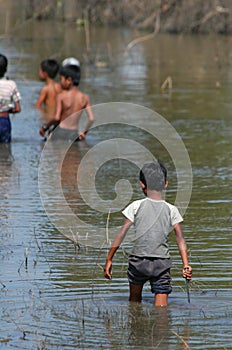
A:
[152,217]
[62,103]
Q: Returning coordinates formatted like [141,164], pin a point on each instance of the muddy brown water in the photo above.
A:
[60,300]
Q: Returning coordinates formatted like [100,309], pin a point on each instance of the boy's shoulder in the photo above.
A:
[81,93]
[130,211]
[135,204]
[52,87]
[7,81]
[9,87]
[171,206]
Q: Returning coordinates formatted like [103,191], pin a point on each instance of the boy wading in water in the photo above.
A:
[69,106]
[9,101]
[46,102]
[48,94]
[153,220]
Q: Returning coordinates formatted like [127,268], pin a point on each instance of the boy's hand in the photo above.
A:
[108,270]
[82,135]
[187,272]
[43,130]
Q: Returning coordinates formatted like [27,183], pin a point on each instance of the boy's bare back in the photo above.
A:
[49,94]
[71,102]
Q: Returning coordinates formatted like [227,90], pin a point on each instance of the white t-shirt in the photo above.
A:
[153,221]
[9,94]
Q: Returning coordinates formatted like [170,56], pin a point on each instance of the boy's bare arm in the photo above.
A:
[116,244]
[16,109]
[187,270]
[58,114]
[55,120]
[90,119]
[42,97]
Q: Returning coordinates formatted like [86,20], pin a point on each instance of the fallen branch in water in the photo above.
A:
[148,36]
[210,14]
[167,84]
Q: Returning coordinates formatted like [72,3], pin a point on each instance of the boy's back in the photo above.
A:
[153,221]
[9,101]
[8,94]
[72,101]
[49,94]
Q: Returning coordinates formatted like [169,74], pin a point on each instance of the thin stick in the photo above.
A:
[107,245]
[36,240]
[183,341]
[187,289]
[87,33]
[26,257]
[3,285]
[107,228]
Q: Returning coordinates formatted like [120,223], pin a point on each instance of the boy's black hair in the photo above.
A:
[50,66]
[153,175]
[3,65]
[73,72]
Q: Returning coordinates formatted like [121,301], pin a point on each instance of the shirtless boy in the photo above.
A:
[69,107]
[47,98]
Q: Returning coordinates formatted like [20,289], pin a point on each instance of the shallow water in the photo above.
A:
[60,300]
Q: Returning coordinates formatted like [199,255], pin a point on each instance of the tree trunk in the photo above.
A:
[71,10]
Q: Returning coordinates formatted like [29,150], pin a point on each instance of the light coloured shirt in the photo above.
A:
[153,221]
[9,94]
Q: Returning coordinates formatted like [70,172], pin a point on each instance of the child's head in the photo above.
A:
[49,66]
[3,65]
[153,175]
[71,72]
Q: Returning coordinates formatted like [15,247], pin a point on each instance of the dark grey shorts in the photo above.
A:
[154,270]
[64,134]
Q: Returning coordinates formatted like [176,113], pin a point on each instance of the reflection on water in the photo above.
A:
[62,301]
